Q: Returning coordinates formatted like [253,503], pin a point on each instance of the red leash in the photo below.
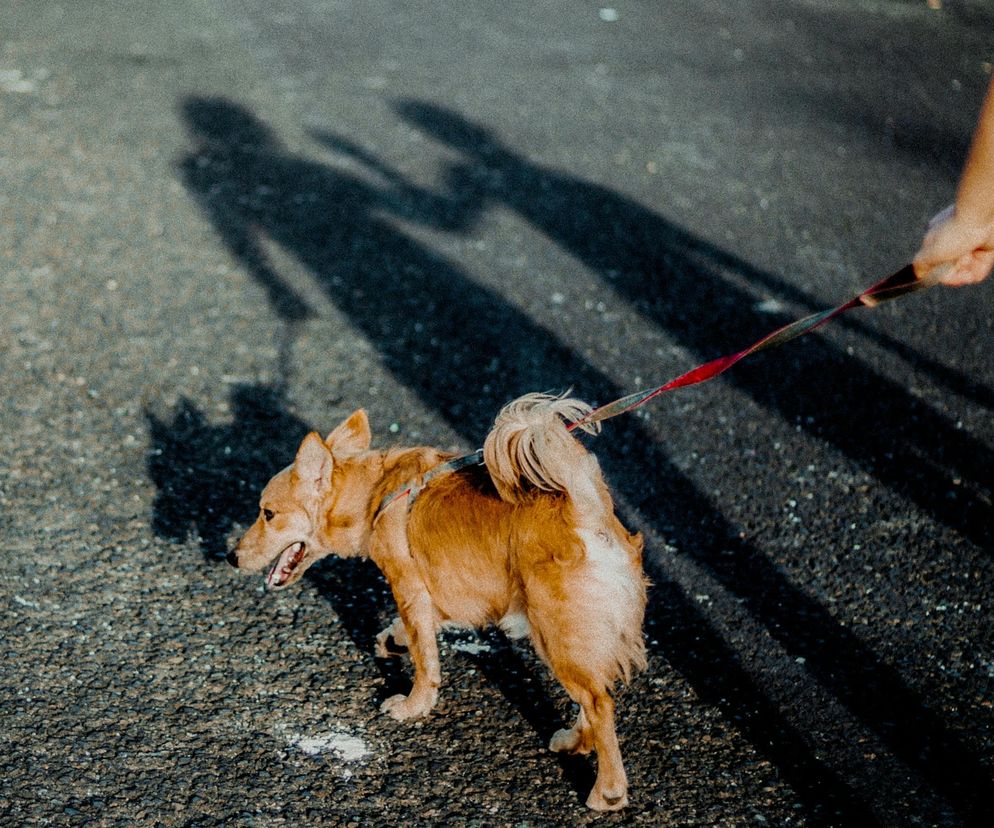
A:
[897,284]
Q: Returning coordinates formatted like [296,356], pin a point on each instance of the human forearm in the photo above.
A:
[975,194]
[958,248]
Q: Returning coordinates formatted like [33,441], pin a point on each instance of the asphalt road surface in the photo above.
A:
[223,224]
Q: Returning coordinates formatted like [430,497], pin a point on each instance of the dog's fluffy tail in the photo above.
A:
[529,447]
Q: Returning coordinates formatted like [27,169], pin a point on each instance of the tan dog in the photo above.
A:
[530,543]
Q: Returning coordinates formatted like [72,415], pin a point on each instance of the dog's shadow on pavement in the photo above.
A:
[440,333]
[209,478]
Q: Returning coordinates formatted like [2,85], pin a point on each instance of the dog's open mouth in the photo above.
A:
[284,567]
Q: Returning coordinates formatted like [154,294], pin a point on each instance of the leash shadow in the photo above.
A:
[449,333]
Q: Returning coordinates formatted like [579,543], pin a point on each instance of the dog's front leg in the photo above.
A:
[418,617]
[391,553]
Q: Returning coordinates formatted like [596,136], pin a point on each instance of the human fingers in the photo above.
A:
[970,269]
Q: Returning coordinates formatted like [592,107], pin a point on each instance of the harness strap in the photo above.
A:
[413,488]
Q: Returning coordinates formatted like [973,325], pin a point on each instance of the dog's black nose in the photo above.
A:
[232,558]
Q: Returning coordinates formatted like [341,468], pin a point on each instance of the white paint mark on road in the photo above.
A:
[344,745]
[470,647]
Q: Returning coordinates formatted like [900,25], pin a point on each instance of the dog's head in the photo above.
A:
[313,508]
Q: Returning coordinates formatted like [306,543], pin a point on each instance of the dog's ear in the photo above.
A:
[352,436]
[313,464]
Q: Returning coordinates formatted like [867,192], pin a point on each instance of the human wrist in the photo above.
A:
[974,216]
[974,223]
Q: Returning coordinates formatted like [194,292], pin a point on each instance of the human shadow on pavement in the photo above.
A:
[465,350]
[952,379]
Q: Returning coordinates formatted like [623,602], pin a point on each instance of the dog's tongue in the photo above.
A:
[288,560]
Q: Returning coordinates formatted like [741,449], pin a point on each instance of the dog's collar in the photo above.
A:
[413,488]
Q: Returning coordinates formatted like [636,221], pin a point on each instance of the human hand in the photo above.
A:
[955,251]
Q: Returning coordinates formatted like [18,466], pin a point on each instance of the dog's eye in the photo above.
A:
[267,514]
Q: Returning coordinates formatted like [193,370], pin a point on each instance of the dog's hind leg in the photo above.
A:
[577,739]
[610,791]
[574,661]
[586,621]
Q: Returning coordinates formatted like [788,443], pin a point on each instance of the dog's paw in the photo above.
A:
[565,741]
[608,799]
[403,708]
[387,646]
